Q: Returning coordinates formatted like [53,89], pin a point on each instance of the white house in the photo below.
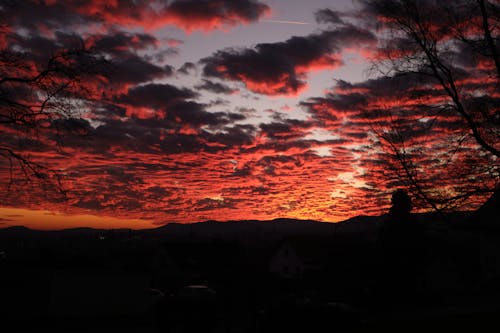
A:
[286,263]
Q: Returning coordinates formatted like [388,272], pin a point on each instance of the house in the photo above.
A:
[297,257]
[286,263]
[488,218]
[467,255]
[485,224]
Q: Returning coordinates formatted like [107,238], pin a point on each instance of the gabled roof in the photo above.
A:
[312,251]
[487,217]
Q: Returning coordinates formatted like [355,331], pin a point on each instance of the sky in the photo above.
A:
[209,110]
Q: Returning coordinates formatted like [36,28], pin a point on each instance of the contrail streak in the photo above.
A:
[286,22]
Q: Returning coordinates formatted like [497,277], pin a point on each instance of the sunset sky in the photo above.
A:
[211,110]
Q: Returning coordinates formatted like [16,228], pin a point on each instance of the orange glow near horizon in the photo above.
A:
[184,111]
[47,220]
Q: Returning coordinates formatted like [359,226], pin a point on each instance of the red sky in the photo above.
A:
[220,110]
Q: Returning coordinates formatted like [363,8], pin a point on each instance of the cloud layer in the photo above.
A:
[281,68]
[229,135]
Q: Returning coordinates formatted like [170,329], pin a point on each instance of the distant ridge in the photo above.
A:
[18,228]
[241,227]
[209,224]
[357,224]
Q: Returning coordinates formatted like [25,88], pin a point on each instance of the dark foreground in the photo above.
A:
[417,320]
[252,277]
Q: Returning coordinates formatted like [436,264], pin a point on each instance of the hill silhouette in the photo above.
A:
[275,228]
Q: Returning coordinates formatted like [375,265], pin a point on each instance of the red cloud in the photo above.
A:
[211,15]
[155,152]
[282,68]
[186,14]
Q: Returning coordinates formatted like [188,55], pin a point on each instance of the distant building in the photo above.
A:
[286,263]
[485,222]
[297,257]
[467,252]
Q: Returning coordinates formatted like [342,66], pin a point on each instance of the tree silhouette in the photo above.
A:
[401,242]
[38,95]
[401,204]
[445,55]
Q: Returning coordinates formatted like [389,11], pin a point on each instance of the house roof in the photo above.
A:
[311,250]
[486,218]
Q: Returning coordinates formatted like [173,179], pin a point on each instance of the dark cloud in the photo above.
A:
[119,42]
[368,99]
[281,68]
[173,107]
[179,131]
[285,129]
[136,135]
[234,136]
[210,14]
[236,116]
[156,96]
[219,102]
[216,87]
[279,165]
[194,113]
[133,69]
[124,65]
[34,15]
[186,68]
[211,204]
[72,125]
[39,48]
[91,204]
[186,14]
[327,16]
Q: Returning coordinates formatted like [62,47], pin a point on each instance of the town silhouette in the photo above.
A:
[399,271]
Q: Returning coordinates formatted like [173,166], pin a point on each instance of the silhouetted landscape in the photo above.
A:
[249,166]
[253,276]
